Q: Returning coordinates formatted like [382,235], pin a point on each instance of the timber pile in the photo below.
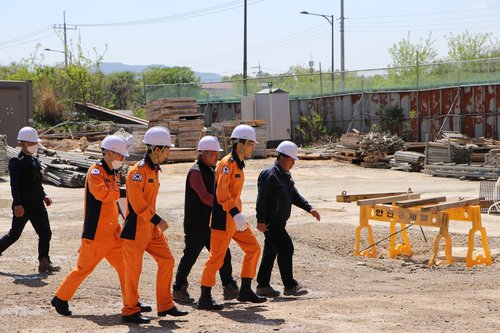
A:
[316,153]
[4,168]
[407,161]
[349,148]
[180,116]
[223,130]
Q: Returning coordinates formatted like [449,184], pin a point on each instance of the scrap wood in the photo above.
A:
[419,202]
[389,199]
[344,197]
[453,203]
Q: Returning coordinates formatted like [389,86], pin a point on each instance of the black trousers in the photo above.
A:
[40,221]
[277,243]
[194,243]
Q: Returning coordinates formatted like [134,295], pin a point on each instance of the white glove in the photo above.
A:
[239,219]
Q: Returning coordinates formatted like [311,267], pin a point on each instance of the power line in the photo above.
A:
[426,14]
[26,42]
[186,15]
[26,36]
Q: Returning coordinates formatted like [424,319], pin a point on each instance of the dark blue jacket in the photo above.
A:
[276,195]
[26,182]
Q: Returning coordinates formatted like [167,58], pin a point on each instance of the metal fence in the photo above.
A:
[484,71]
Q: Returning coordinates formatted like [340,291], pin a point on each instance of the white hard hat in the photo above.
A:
[209,143]
[288,148]
[28,134]
[158,136]
[115,143]
[245,132]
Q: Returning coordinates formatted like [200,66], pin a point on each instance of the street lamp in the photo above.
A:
[329,18]
[65,57]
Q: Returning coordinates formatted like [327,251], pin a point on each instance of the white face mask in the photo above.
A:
[116,164]
[32,149]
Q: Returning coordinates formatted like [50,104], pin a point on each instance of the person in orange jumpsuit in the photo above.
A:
[198,203]
[101,230]
[143,230]
[228,222]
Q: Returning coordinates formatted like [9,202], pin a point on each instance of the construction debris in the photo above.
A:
[102,113]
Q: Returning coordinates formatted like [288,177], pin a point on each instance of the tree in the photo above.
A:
[406,55]
[471,46]
[404,52]
[169,75]
[123,91]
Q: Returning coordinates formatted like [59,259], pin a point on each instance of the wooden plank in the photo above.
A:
[451,204]
[419,202]
[385,200]
[356,197]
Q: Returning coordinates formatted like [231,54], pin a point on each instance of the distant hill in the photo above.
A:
[111,67]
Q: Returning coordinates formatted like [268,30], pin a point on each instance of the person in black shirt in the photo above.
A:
[197,210]
[275,197]
[29,198]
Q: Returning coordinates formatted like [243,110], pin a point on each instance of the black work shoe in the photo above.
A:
[207,303]
[144,307]
[136,318]
[230,292]
[267,292]
[295,291]
[46,266]
[249,296]
[173,312]
[182,296]
[62,307]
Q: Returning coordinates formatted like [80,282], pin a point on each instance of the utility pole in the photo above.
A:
[245,87]
[342,63]
[65,27]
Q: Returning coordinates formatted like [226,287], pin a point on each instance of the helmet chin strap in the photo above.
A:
[157,162]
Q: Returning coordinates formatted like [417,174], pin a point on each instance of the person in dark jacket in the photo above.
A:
[197,210]
[276,195]
[29,199]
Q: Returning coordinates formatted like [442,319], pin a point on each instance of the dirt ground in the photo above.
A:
[347,293]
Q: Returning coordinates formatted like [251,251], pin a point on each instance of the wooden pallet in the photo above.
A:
[347,151]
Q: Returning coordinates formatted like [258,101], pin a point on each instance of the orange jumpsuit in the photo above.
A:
[229,179]
[101,231]
[140,234]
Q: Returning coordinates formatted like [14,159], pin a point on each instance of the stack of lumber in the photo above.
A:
[4,168]
[316,153]
[349,148]
[223,130]
[180,116]
[351,139]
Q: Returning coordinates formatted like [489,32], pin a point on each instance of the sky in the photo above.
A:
[207,35]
